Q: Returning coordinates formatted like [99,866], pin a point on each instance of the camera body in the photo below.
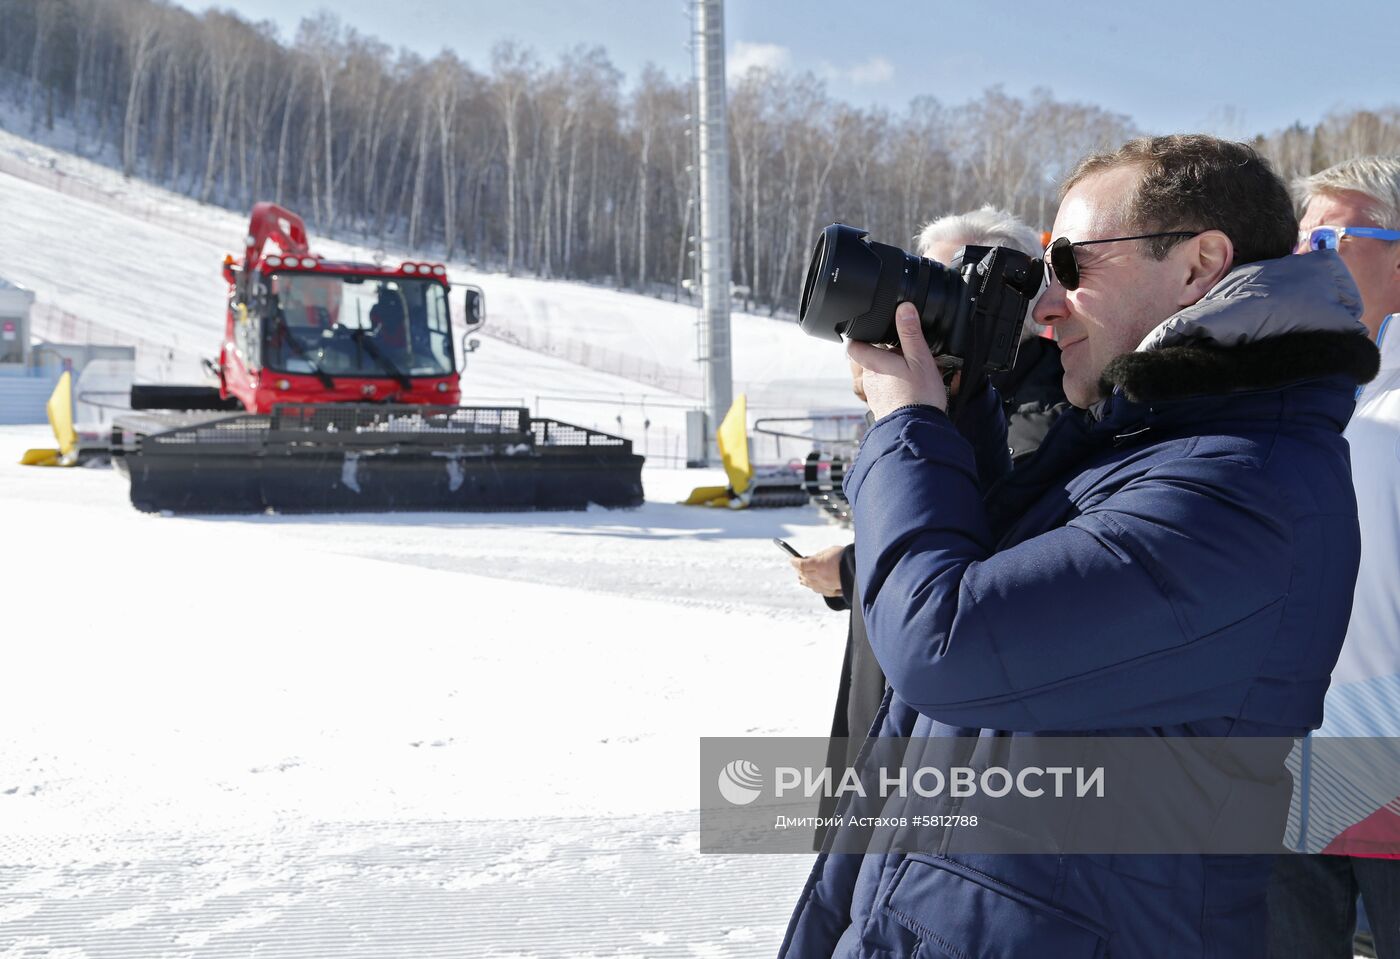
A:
[972,311]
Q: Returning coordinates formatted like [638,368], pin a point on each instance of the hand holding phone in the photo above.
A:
[820,572]
[783,545]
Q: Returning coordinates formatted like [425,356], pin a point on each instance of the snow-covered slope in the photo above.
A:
[112,258]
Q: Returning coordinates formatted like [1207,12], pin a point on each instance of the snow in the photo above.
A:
[395,735]
[458,734]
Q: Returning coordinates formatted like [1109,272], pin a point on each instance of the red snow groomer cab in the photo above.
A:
[345,377]
[305,329]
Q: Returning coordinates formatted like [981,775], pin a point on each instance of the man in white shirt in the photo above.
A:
[1354,208]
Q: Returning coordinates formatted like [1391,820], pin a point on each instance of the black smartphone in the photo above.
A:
[786,548]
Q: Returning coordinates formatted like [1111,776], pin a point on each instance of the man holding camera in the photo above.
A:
[1176,560]
[1031,397]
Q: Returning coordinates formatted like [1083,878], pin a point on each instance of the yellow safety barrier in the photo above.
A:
[60,410]
[733,439]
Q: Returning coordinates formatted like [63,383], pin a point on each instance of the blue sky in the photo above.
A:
[1225,66]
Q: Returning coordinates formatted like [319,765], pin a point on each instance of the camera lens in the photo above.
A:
[813,271]
[853,285]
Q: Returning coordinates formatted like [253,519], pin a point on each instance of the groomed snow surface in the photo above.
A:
[415,735]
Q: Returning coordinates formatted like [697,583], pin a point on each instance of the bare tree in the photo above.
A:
[141,32]
[447,83]
[514,69]
[46,16]
[223,49]
[321,38]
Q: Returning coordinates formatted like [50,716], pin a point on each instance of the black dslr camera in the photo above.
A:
[972,311]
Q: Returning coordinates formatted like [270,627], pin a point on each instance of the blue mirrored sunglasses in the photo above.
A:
[1330,237]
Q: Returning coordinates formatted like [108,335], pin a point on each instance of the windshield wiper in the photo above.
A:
[300,351]
[384,362]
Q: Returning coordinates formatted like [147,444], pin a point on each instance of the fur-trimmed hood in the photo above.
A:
[1264,325]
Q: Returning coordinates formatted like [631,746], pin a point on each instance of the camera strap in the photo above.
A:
[974,373]
[974,367]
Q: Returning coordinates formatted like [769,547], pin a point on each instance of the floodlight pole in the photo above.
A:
[713,151]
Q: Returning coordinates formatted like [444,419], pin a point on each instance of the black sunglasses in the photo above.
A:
[1060,261]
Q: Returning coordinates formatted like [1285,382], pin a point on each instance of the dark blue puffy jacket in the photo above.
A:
[1178,561]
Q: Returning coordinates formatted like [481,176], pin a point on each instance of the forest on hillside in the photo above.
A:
[564,169]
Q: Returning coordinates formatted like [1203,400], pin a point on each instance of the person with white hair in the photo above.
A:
[1354,208]
[1032,397]
[1032,393]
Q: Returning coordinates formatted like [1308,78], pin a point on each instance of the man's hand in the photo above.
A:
[895,378]
[857,377]
[820,572]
